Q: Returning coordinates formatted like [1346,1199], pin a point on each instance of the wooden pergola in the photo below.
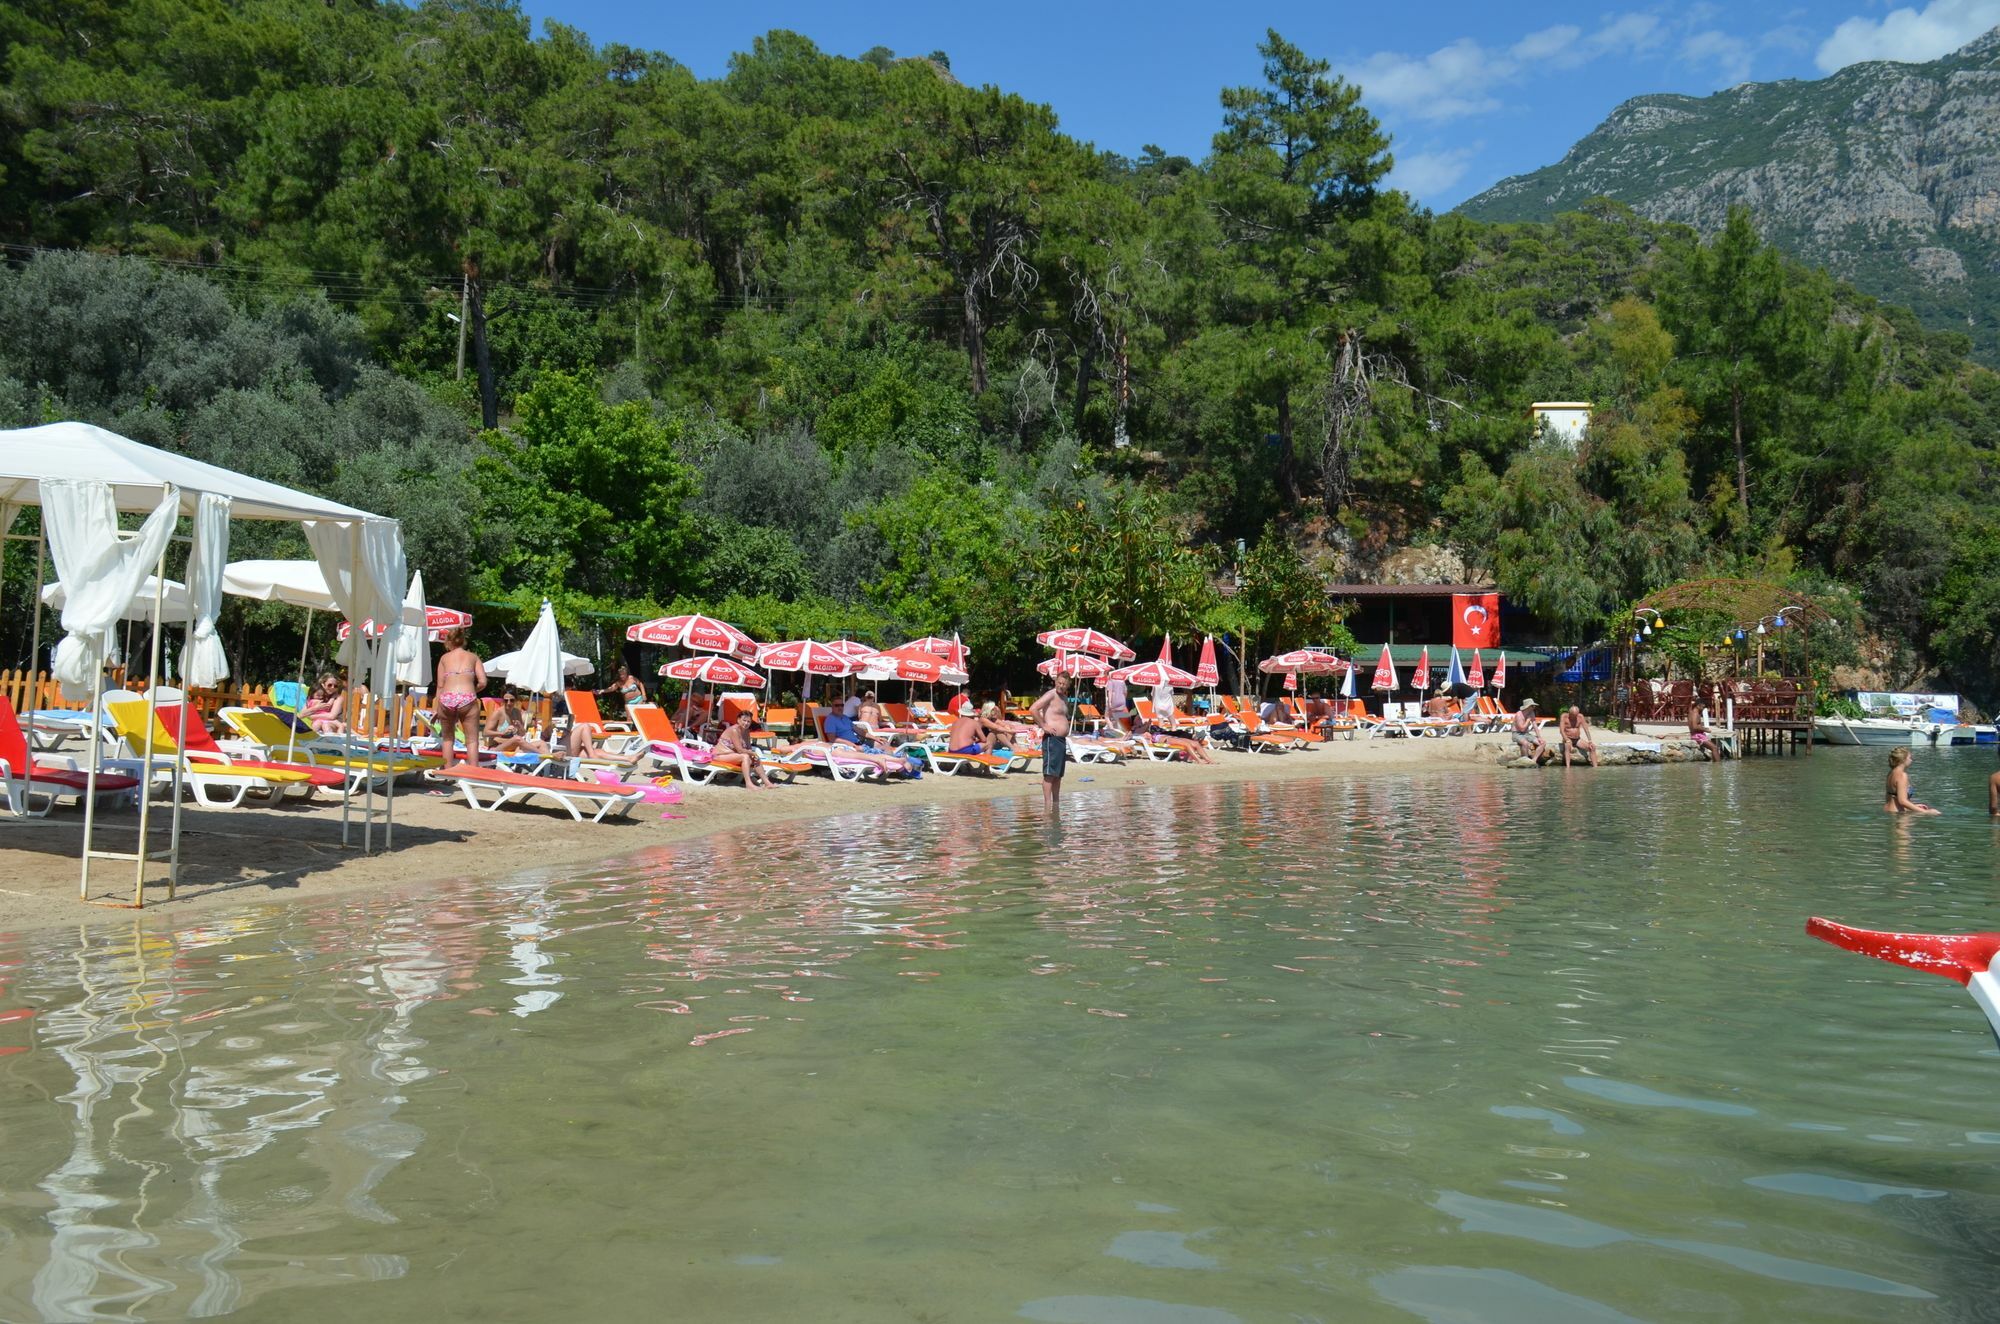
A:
[1766,710]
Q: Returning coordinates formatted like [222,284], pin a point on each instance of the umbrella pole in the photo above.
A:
[305,644]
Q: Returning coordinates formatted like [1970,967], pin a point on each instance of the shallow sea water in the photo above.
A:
[1447,1047]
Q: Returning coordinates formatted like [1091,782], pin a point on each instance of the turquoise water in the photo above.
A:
[1516,1047]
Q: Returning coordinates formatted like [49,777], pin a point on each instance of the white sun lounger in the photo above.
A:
[491,788]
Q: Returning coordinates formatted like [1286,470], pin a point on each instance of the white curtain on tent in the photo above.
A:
[203,663]
[99,570]
[363,597]
[388,575]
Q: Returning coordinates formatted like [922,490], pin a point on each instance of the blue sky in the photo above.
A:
[1473,92]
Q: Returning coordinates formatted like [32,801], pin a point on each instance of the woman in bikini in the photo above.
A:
[515,729]
[1896,793]
[460,677]
[323,709]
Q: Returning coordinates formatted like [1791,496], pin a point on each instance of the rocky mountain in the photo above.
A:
[1886,174]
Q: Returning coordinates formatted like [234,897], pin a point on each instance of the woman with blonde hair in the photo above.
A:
[1896,794]
[325,707]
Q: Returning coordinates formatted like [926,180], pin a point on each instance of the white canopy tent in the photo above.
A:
[82,476]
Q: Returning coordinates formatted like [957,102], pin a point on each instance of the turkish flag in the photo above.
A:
[1475,620]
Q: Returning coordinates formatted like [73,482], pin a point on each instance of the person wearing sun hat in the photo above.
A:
[1528,733]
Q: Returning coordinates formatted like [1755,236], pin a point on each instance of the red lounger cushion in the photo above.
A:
[80,781]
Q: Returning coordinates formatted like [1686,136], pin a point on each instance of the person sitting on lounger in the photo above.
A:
[323,710]
[868,716]
[1194,751]
[971,733]
[1528,733]
[1574,728]
[840,730]
[512,730]
[735,742]
[1001,731]
[1437,707]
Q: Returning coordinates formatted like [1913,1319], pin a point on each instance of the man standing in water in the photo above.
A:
[1050,716]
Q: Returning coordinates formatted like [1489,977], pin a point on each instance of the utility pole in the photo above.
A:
[464,312]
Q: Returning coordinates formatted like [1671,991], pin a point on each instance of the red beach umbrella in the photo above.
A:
[1420,679]
[1079,665]
[1204,671]
[1385,672]
[1080,640]
[714,669]
[703,634]
[853,648]
[1161,672]
[1476,675]
[1311,661]
[912,664]
[807,655]
[952,651]
[1500,672]
[1291,680]
[435,620]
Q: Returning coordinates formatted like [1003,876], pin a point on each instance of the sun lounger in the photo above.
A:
[583,708]
[944,761]
[271,734]
[216,783]
[199,744]
[25,777]
[491,788]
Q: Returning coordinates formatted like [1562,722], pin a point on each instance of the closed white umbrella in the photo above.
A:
[413,650]
[540,664]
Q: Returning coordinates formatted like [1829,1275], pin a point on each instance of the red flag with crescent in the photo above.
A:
[1475,620]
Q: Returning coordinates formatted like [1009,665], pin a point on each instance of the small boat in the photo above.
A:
[1961,956]
[1870,731]
[1963,733]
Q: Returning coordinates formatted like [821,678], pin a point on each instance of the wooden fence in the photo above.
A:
[38,690]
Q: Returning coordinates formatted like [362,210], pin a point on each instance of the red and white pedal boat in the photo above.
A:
[1966,957]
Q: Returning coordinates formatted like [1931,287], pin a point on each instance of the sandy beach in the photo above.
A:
[251,855]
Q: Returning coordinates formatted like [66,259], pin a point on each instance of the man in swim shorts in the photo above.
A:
[1574,728]
[1050,715]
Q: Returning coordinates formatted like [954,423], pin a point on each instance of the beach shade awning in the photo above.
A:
[140,608]
[807,655]
[1077,639]
[1309,661]
[702,634]
[912,664]
[1205,672]
[713,668]
[136,472]
[1081,666]
[1476,677]
[1420,677]
[298,583]
[1385,672]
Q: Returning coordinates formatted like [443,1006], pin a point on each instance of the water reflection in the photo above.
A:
[1414,1042]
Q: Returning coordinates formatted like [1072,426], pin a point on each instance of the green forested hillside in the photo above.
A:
[835,343]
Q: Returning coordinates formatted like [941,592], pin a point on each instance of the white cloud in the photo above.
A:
[1728,55]
[1425,174]
[1909,35]
[1463,78]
